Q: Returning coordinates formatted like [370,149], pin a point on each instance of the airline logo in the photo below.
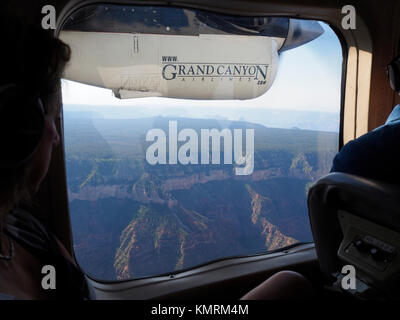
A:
[173,69]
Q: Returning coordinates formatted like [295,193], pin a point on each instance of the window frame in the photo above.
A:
[357,57]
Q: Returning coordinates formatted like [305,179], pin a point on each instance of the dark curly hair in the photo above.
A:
[33,59]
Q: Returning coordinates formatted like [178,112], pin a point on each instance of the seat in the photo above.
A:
[356,221]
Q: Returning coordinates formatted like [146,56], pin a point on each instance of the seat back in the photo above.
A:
[356,221]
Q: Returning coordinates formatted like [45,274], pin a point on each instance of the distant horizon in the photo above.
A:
[273,118]
[208,106]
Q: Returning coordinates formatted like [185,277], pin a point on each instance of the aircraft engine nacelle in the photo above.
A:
[198,56]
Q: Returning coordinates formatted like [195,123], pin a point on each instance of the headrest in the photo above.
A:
[377,204]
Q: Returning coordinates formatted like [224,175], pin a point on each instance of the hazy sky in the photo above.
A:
[308,78]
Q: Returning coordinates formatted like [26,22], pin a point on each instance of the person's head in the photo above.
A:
[32,62]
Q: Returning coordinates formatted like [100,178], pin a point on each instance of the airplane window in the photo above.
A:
[192,136]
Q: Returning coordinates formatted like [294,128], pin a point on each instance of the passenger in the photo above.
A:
[375,155]
[32,62]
